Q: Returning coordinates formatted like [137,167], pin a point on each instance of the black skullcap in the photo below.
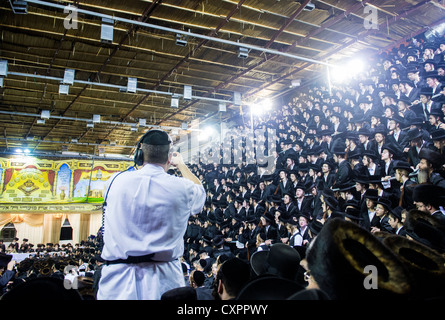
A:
[156,137]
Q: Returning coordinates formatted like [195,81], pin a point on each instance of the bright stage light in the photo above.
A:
[206,134]
[18,150]
[26,151]
[262,106]
[348,70]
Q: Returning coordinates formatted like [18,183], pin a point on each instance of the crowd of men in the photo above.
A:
[366,156]
[367,152]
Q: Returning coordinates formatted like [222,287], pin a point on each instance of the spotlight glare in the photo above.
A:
[27,151]
[206,134]
[261,107]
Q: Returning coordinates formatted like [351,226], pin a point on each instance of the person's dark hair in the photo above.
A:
[155,153]
[198,277]
[234,274]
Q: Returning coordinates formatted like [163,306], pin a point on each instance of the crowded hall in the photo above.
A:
[331,187]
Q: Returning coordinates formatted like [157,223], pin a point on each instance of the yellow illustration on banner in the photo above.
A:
[30,181]
[28,185]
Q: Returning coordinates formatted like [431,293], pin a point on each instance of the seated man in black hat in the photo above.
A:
[430,198]
[431,167]
[396,220]
[416,143]
[402,172]
[344,170]
[382,209]
[367,211]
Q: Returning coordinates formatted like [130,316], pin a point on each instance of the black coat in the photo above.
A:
[344,173]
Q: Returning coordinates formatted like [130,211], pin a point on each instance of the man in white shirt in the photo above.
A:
[146,216]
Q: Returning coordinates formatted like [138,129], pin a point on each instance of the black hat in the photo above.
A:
[269,288]
[268,216]
[156,137]
[290,194]
[426,266]
[315,226]
[429,194]
[423,227]
[339,255]
[42,288]
[399,119]
[438,134]
[426,91]
[380,129]
[371,154]
[437,112]
[413,134]
[364,131]
[353,214]
[355,154]
[346,186]
[273,198]
[218,240]
[339,147]
[391,148]
[280,260]
[431,74]
[186,293]
[331,202]
[400,164]
[305,215]
[436,159]
[372,194]
[4,259]
[404,99]
[309,294]
[397,212]
[385,202]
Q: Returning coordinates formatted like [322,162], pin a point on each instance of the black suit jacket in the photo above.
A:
[344,173]
[366,223]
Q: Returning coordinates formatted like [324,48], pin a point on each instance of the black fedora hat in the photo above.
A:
[413,134]
[269,288]
[397,212]
[280,260]
[371,194]
[331,202]
[391,148]
[353,214]
[400,164]
[385,202]
[315,227]
[268,216]
[304,214]
[339,255]
[437,135]
[218,240]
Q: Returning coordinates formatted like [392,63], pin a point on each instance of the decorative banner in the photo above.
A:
[33,185]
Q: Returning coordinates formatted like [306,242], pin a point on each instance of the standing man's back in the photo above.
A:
[145,220]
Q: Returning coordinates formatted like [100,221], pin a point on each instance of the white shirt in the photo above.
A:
[147,212]
[371,215]
[296,239]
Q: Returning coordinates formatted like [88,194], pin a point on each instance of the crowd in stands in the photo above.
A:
[353,176]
